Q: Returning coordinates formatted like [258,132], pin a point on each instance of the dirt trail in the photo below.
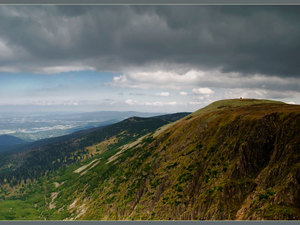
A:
[53,197]
[125,147]
[84,167]
[56,184]
[84,172]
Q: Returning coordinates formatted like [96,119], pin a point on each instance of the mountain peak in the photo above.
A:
[226,103]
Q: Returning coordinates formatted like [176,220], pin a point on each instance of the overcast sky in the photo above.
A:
[147,58]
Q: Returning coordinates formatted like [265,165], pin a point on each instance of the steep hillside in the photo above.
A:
[234,159]
[43,156]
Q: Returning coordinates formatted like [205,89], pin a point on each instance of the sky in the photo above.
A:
[146,58]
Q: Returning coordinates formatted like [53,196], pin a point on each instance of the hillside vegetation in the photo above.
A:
[48,155]
[234,159]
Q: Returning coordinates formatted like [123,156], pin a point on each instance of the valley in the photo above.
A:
[33,126]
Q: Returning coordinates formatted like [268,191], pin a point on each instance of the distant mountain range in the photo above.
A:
[37,126]
[235,159]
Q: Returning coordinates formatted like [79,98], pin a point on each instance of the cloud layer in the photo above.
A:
[195,50]
[242,39]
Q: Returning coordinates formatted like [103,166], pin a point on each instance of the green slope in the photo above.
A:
[234,159]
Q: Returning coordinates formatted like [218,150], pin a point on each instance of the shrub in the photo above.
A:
[185,177]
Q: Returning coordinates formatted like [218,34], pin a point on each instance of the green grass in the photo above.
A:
[18,210]
[273,211]
[33,204]
[222,104]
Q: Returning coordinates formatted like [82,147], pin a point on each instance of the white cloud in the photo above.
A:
[164,94]
[61,69]
[210,85]
[150,103]
[131,102]
[183,93]
[204,91]
[202,97]
[259,93]
[55,102]
[161,103]
[195,103]
[203,82]
[157,79]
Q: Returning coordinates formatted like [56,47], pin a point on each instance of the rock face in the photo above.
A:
[227,162]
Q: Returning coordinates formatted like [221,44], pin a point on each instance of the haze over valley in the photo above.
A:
[34,126]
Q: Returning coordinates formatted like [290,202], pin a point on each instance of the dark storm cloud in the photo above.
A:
[243,39]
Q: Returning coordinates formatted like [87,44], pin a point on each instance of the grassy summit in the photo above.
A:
[231,103]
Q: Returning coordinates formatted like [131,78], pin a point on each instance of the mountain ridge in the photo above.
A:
[8,140]
[40,155]
[236,159]
[259,118]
